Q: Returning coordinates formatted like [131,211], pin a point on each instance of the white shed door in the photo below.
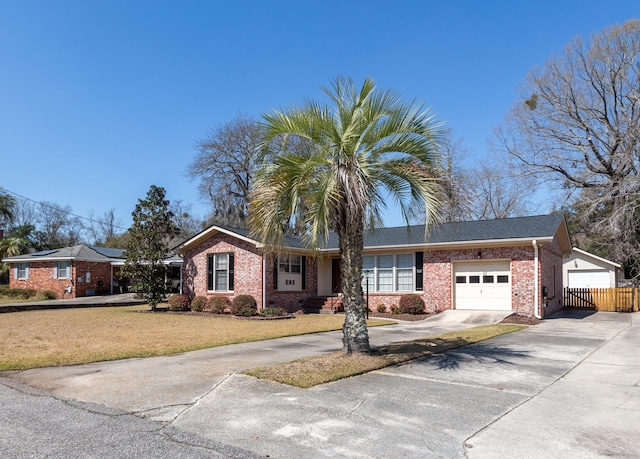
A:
[589,278]
[485,285]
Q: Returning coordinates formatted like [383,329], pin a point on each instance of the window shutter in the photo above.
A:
[231,271]
[209,272]
[275,273]
[303,270]
[419,269]
[55,269]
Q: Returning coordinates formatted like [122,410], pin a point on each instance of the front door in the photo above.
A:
[336,280]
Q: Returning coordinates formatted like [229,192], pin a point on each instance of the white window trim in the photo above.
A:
[373,284]
[56,269]
[215,272]
[25,270]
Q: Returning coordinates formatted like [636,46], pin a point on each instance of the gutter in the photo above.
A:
[536,299]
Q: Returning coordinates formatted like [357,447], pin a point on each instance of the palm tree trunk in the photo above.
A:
[355,334]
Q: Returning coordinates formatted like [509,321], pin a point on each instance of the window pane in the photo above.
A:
[474,279]
[221,280]
[222,261]
[222,272]
[385,261]
[367,262]
[295,264]
[404,260]
[385,280]
[503,279]
[405,280]
[487,279]
[367,275]
[461,279]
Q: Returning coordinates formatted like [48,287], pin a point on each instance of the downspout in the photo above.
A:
[536,306]
[264,281]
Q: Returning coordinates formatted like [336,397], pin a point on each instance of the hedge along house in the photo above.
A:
[70,272]
[510,264]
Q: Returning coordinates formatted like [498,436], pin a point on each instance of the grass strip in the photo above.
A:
[320,369]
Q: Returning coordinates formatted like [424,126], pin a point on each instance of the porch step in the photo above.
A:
[322,305]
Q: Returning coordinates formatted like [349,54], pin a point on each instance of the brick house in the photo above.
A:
[512,264]
[70,272]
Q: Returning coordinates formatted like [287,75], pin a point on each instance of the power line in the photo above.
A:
[59,209]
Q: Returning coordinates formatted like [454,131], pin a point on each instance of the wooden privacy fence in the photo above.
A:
[601,299]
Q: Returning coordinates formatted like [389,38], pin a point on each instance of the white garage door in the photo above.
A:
[485,285]
[589,278]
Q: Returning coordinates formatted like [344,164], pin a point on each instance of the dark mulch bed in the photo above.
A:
[407,317]
[520,320]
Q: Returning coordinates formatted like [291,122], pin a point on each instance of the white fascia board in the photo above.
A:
[212,230]
[19,259]
[449,245]
[596,257]
[487,243]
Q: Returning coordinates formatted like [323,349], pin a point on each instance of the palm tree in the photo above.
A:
[7,204]
[326,168]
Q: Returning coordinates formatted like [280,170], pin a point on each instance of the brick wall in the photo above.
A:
[551,276]
[41,278]
[248,273]
[438,269]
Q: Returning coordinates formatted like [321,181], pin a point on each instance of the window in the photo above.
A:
[62,269]
[22,271]
[487,279]
[461,279]
[388,273]
[474,279]
[220,272]
[289,264]
[368,265]
[404,272]
[385,273]
[504,279]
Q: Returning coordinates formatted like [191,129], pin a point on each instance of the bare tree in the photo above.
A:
[579,125]
[106,228]
[187,223]
[494,193]
[57,227]
[455,202]
[224,165]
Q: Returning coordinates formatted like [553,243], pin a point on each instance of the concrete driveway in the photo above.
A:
[565,388]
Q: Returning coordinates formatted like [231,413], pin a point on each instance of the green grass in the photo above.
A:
[321,369]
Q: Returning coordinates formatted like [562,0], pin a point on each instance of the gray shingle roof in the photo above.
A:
[81,252]
[482,230]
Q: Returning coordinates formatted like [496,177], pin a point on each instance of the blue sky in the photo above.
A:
[101,99]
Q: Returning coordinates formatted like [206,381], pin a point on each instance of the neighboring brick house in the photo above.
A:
[70,272]
[512,264]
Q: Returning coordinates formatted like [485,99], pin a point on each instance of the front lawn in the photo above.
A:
[73,336]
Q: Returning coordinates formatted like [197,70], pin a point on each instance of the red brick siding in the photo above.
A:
[248,278]
[551,269]
[438,269]
[41,278]
[247,271]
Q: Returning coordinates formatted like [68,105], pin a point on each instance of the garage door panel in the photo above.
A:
[484,285]
[589,278]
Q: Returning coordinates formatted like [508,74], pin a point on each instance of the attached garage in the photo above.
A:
[482,285]
[592,278]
